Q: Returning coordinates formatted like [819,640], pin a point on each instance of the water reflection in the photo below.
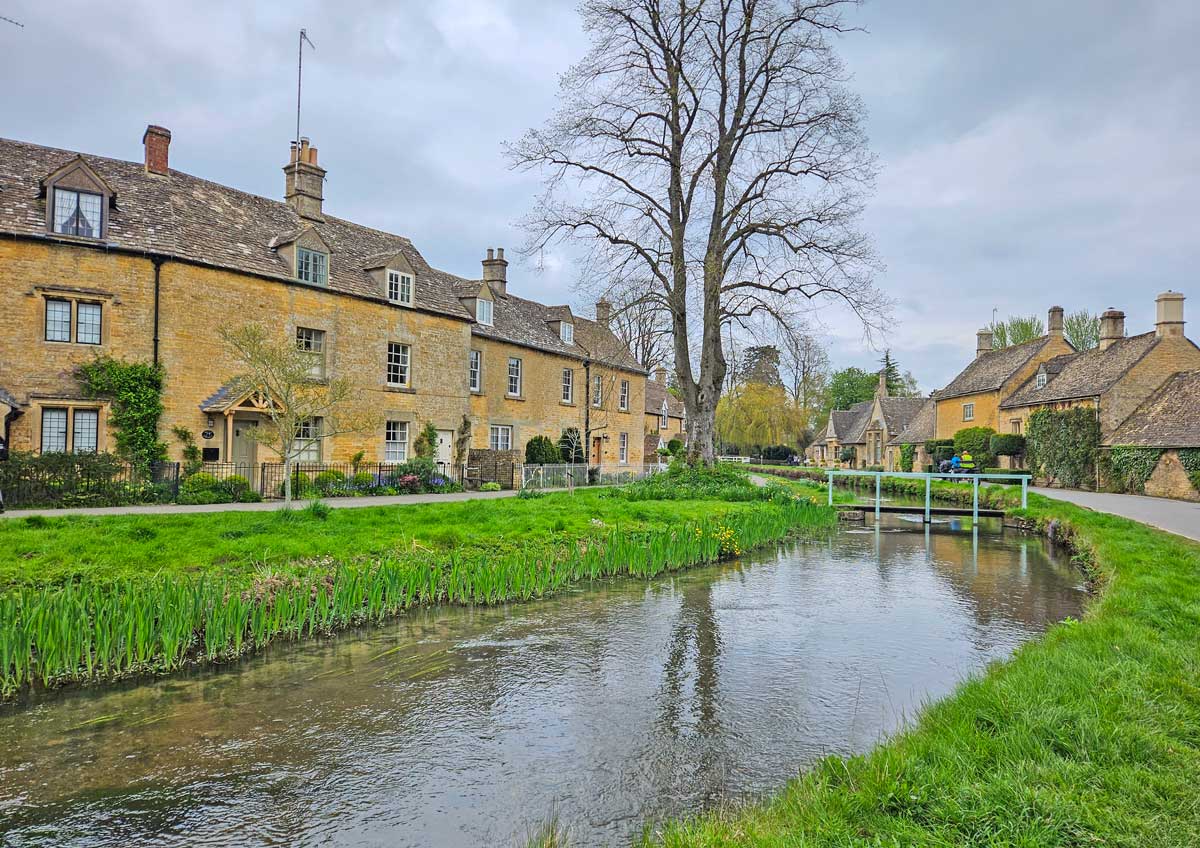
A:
[612,705]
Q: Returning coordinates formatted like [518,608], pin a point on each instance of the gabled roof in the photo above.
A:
[850,424]
[921,427]
[1083,375]
[989,371]
[898,411]
[1170,418]
[656,393]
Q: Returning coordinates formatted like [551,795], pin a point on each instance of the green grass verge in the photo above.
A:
[1089,736]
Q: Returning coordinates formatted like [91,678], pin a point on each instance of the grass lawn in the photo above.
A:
[53,550]
[1089,736]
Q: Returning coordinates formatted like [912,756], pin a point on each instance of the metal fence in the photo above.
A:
[85,481]
[570,476]
[341,479]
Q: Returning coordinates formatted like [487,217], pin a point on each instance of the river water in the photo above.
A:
[610,707]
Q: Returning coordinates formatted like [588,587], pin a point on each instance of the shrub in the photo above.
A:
[201,481]
[1007,444]
[490,486]
[301,485]
[363,480]
[204,496]
[540,450]
[847,454]
[675,447]
[329,482]
[426,443]
[778,452]
[234,486]
[249,496]
[422,468]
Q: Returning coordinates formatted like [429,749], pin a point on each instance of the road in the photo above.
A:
[1179,517]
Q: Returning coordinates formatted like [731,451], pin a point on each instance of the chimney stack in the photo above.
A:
[1112,327]
[495,270]
[881,389]
[983,342]
[304,182]
[603,313]
[158,144]
[660,375]
[1169,317]
[1054,322]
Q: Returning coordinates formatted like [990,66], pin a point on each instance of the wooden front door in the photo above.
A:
[445,447]
[597,443]
[244,447]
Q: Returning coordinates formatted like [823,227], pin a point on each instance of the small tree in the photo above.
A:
[1082,330]
[280,375]
[540,450]
[426,444]
[462,442]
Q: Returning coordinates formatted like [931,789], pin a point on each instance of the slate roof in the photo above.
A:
[989,371]
[1170,418]
[850,424]
[1083,375]
[898,411]
[656,393]
[921,427]
[199,221]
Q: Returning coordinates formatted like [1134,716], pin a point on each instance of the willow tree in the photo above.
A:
[710,152]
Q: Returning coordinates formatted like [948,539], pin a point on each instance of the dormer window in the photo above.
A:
[483,311]
[400,288]
[312,266]
[1041,380]
[77,213]
[566,332]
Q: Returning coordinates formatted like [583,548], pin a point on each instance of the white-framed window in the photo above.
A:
[54,429]
[87,323]
[1015,425]
[312,342]
[395,441]
[77,213]
[312,266]
[475,368]
[568,385]
[500,437]
[400,288]
[308,440]
[597,391]
[86,427]
[968,412]
[663,423]
[623,397]
[566,332]
[483,311]
[1041,380]
[398,359]
[58,320]
[623,449]
[514,376]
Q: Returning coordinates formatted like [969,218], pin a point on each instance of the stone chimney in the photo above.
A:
[1169,317]
[495,270]
[158,144]
[983,342]
[603,313]
[1112,327]
[660,375]
[881,389]
[1054,321]
[304,182]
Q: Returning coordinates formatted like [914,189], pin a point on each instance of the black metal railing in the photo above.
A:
[66,481]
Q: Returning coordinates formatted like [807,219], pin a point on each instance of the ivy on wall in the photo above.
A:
[907,454]
[1129,468]
[134,390]
[1061,445]
[1190,458]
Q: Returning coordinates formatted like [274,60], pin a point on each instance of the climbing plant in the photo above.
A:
[1129,468]
[134,390]
[193,457]
[1190,458]
[426,443]
[1061,445]
[907,453]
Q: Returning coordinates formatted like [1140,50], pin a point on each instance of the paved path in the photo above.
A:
[1180,517]
[265,506]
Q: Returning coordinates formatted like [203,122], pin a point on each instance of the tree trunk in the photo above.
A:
[287,477]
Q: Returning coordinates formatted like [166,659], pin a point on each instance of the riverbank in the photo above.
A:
[1087,736]
[91,600]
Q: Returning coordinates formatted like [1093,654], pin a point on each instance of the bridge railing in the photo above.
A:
[929,477]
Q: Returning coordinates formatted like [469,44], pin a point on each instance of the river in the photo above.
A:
[609,707]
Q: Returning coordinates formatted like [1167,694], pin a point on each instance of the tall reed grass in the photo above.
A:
[83,632]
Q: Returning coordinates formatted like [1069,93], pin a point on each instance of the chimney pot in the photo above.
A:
[1054,321]
[495,271]
[158,145]
[1112,327]
[1169,314]
[312,155]
[304,181]
[983,342]
[500,252]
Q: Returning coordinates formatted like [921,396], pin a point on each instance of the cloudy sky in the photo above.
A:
[1032,152]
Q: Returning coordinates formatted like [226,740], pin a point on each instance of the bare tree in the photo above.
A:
[805,367]
[711,149]
[644,327]
[299,407]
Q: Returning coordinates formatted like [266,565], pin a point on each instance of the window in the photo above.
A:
[395,441]
[86,424]
[399,288]
[77,213]
[312,342]
[663,423]
[87,323]
[566,332]
[568,385]
[483,311]
[58,320]
[514,376]
[500,437]
[1041,380]
[623,398]
[1016,426]
[308,445]
[476,370]
[312,266]
[623,449]
[398,357]
[968,412]
[597,391]
[54,430]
